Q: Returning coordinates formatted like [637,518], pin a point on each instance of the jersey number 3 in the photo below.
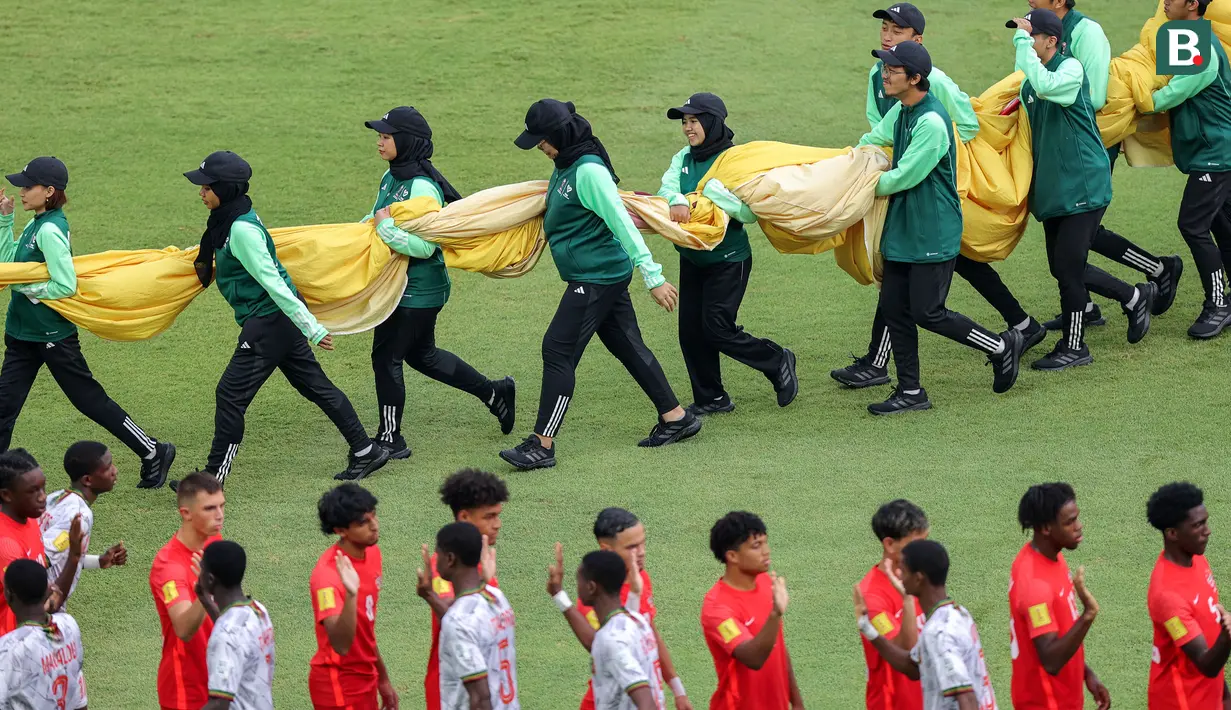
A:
[508,691]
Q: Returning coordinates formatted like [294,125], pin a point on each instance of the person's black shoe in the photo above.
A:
[360,467]
[787,383]
[1007,363]
[1211,322]
[154,471]
[1063,357]
[1092,317]
[861,373]
[504,404]
[900,402]
[1139,315]
[398,448]
[722,405]
[665,433]
[1034,334]
[1167,282]
[530,454]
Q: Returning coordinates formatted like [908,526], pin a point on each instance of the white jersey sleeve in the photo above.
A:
[240,657]
[57,519]
[625,655]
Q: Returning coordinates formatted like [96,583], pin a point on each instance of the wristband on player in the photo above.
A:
[677,688]
[563,603]
[92,562]
[867,629]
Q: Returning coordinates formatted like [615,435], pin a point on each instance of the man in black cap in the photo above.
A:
[1071,185]
[923,232]
[276,325]
[35,335]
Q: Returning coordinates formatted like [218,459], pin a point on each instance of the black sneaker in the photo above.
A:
[1167,282]
[1008,362]
[722,405]
[1063,357]
[665,433]
[360,467]
[398,448]
[1034,334]
[530,454]
[1092,317]
[900,402]
[861,373]
[787,383]
[154,471]
[504,404]
[1139,315]
[1211,322]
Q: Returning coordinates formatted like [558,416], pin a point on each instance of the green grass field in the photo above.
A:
[132,94]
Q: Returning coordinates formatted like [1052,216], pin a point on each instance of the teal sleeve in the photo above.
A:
[671,181]
[1059,87]
[929,142]
[1183,88]
[1091,48]
[248,245]
[882,133]
[872,111]
[727,201]
[598,193]
[59,257]
[404,242]
[957,103]
[8,241]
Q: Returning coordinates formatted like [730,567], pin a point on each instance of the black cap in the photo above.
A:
[902,14]
[703,102]
[403,119]
[1042,22]
[544,116]
[911,55]
[220,166]
[41,171]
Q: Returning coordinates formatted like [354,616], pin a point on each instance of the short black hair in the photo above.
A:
[1041,504]
[928,557]
[923,85]
[344,506]
[733,530]
[1169,505]
[613,521]
[897,519]
[14,464]
[1070,3]
[196,483]
[463,540]
[471,488]
[606,569]
[83,458]
[27,580]
[227,561]
[1201,7]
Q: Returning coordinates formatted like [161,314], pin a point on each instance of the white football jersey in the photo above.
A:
[40,666]
[240,657]
[476,641]
[625,655]
[62,507]
[950,658]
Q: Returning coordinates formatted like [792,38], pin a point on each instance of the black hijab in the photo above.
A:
[235,203]
[414,160]
[573,139]
[717,137]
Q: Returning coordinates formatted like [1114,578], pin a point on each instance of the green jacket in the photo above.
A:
[591,237]
[1200,112]
[1086,42]
[46,239]
[924,223]
[683,177]
[956,102]
[1072,174]
[427,279]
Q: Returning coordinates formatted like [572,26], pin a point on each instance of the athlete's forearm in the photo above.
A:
[581,628]
[967,701]
[797,698]
[1215,657]
[479,695]
[1057,651]
[186,620]
[382,673]
[754,653]
[909,633]
[898,658]
[643,698]
[438,604]
[65,581]
[664,655]
[341,628]
[217,704]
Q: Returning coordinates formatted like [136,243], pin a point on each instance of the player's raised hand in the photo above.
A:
[423,586]
[555,573]
[195,565]
[1023,24]
[635,584]
[75,536]
[1087,599]
[350,578]
[115,556]
[780,594]
[487,562]
[894,579]
[6,203]
[861,606]
[54,597]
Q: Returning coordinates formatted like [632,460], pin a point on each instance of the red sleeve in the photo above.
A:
[171,583]
[10,552]
[722,625]
[647,609]
[1175,614]
[884,611]
[1036,607]
[328,594]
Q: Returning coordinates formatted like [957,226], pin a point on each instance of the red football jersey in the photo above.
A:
[1042,601]
[17,542]
[335,680]
[887,689]
[431,681]
[182,673]
[729,618]
[1182,603]
[646,609]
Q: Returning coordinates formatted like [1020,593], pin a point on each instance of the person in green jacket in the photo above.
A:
[923,232]
[713,283]
[1199,106]
[276,327]
[595,246]
[1085,41]
[35,335]
[1071,184]
[903,22]
[409,334]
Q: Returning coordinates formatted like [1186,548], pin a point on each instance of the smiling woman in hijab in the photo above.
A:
[712,283]
[275,325]
[595,246]
[409,334]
